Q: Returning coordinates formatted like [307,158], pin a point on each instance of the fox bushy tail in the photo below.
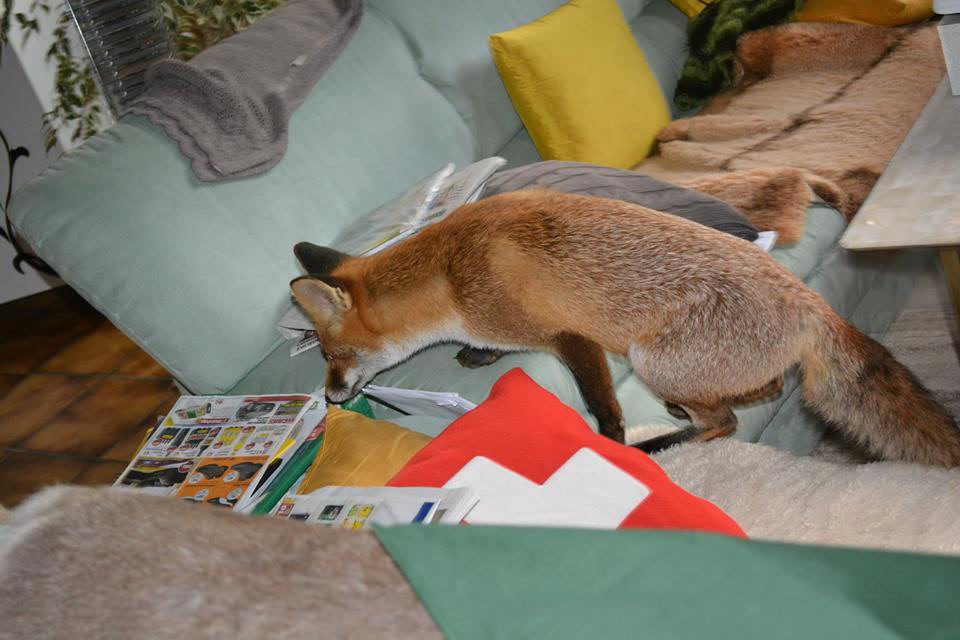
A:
[854,383]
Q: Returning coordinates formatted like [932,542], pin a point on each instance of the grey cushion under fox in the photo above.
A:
[630,186]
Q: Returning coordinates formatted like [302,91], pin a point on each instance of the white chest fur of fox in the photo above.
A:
[709,321]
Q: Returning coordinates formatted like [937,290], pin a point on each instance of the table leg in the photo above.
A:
[951,271]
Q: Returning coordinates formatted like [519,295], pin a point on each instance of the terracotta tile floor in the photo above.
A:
[76,395]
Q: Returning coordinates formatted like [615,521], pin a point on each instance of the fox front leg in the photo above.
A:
[588,363]
[474,358]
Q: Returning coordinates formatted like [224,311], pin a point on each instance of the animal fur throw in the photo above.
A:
[712,39]
[820,109]
[101,563]
[777,496]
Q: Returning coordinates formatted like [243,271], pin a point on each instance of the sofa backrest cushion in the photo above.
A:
[449,41]
[196,272]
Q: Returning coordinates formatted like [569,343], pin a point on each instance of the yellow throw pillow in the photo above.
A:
[882,13]
[581,85]
[360,452]
[692,7]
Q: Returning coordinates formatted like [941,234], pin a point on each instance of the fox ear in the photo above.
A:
[325,298]
[318,260]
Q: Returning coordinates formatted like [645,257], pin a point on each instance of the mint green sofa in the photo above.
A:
[197,273]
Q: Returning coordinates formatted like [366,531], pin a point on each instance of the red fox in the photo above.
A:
[707,320]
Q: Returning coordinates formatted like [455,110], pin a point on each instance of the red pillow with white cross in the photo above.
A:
[535,462]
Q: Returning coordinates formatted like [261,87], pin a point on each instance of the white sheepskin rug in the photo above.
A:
[774,495]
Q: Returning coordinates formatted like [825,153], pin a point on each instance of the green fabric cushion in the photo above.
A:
[449,40]
[520,151]
[197,273]
[661,31]
[498,582]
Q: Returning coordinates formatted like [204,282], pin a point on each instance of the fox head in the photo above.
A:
[353,350]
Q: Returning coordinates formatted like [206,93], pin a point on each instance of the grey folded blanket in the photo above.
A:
[229,108]
[629,186]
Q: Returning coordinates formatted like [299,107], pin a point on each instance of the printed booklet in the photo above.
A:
[357,507]
[429,201]
[251,454]
[221,450]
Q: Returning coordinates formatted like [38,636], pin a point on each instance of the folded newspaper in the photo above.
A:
[766,240]
[436,404]
[358,507]
[220,450]
[429,201]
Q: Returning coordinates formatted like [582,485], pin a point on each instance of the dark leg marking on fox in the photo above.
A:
[677,411]
[474,358]
[716,421]
[709,422]
[772,388]
[588,363]
[653,445]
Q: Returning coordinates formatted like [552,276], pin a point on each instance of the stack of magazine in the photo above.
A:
[226,450]
[250,454]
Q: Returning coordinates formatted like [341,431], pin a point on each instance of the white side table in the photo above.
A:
[916,202]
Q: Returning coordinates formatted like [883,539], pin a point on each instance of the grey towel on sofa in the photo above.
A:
[229,107]
[630,186]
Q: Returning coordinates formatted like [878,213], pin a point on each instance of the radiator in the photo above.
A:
[122,38]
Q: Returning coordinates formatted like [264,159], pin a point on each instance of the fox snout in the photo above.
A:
[343,383]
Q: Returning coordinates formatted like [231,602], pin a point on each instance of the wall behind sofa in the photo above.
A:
[26,92]
[20,121]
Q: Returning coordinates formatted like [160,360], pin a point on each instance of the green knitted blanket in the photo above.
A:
[713,38]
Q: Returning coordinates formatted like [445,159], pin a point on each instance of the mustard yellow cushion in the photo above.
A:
[360,452]
[882,13]
[582,85]
[692,7]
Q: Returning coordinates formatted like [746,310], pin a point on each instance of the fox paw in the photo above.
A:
[473,358]
[613,428]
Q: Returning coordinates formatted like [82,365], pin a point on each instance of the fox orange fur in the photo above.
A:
[707,320]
